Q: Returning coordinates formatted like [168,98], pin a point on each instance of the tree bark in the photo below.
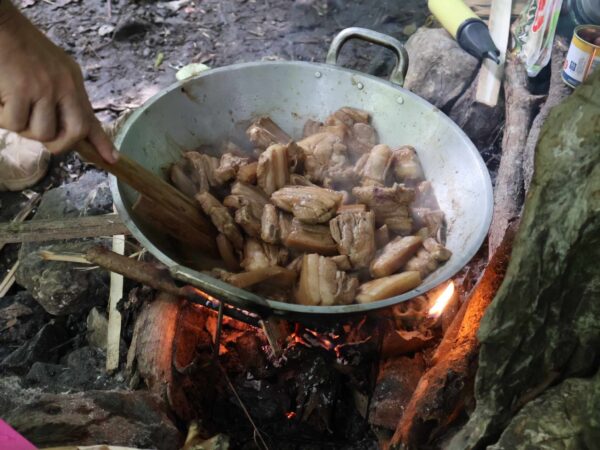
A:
[543,326]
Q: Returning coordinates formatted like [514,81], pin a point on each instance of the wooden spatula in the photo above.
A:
[174,212]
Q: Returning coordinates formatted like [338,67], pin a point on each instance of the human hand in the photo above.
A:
[42,96]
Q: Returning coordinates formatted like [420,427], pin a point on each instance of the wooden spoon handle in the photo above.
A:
[167,198]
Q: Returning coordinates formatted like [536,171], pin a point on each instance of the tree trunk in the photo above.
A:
[544,324]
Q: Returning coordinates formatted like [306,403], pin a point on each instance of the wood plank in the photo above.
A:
[53,229]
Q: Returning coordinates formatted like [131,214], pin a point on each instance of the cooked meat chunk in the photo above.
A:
[362,138]
[354,234]
[197,168]
[270,231]
[377,165]
[348,116]
[295,264]
[437,250]
[243,194]
[181,180]
[311,127]
[272,172]
[308,204]
[285,225]
[321,283]
[340,130]
[221,218]
[264,132]
[425,197]
[310,238]
[342,262]
[395,255]
[258,255]
[352,208]
[383,288]
[390,205]
[423,262]
[274,275]
[247,218]
[230,147]
[247,174]
[227,253]
[407,166]
[300,180]
[433,220]
[229,166]
[382,236]
[323,152]
[341,177]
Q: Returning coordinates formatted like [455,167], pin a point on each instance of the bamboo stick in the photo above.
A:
[113,338]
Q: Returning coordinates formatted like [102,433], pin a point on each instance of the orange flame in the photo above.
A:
[442,301]
[290,415]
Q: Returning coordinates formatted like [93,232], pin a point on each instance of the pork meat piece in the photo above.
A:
[264,132]
[243,194]
[342,178]
[300,180]
[308,204]
[201,168]
[395,255]
[321,283]
[425,197]
[250,221]
[437,250]
[407,166]
[258,255]
[310,238]
[322,152]
[354,234]
[229,165]
[382,236]
[182,180]
[361,140]
[348,116]
[352,208]
[221,218]
[432,220]
[386,287]
[272,172]
[247,173]
[227,252]
[270,230]
[390,205]
[423,262]
[376,166]
[311,127]
[342,262]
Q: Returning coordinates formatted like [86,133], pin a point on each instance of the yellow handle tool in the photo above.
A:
[466,27]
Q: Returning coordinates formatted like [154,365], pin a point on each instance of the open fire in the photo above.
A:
[440,303]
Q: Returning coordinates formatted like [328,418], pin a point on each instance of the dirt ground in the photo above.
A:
[128,50]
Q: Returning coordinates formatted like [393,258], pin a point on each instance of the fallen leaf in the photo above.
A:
[159,60]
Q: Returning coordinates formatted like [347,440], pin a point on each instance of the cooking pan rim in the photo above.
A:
[292,308]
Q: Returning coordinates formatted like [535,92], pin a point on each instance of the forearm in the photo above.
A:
[8,13]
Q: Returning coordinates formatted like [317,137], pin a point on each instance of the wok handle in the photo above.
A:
[374,37]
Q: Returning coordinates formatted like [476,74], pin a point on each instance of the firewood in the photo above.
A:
[23,213]
[8,280]
[509,193]
[441,392]
[557,92]
[57,229]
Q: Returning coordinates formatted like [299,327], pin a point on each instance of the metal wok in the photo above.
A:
[219,104]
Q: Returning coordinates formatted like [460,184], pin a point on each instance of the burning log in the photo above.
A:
[440,394]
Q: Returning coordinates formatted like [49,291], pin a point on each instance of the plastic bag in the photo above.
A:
[534,33]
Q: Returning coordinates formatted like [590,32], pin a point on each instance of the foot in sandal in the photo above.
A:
[23,162]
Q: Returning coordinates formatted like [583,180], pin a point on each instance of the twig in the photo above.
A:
[8,280]
[24,213]
[114,316]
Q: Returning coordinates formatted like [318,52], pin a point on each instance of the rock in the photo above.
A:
[544,323]
[41,347]
[439,70]
[17,329]
[564,417]
[81,370]
[397,380]
[62,288]
[97,329]
[308,14]
[122,418]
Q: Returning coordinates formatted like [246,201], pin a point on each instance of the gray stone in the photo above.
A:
[565,417]
[63,288]
[41,347]
[122,418]
[439,70]
[544,323]
[97,329]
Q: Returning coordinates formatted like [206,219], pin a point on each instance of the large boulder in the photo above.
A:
[122,418]
[63,288]
[439,70]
